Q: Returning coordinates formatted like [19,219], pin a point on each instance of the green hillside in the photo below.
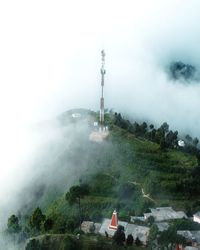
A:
[120,167]
[127,171]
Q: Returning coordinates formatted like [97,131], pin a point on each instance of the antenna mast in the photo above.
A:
[103,71]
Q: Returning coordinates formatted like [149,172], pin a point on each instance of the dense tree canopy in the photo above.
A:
[119,236]
[75,194]
[36,219]
[13,224]
[170,237]
[129,240]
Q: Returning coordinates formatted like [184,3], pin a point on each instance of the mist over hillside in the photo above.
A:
[123,171]
[53,161]
[50,61]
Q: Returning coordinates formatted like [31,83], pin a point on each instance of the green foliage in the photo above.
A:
[96,215]
[198,157]
[36,219]
[76,193]
[185,224]
[138,242]
[188,138]
[151,185]
[167,237]
[13,224]
[116,165]
[60,225]
[52,242]
[195,141]
[153,233]
[78,231]
[71,224]
[102,184]
[129,240]
[69,244]
[171,139]
[116,171]
[48,224]
[33,245]
[119,236]
[170,236]
[143,206]
[162,143]
[126,191]
[180,240]
[150,220]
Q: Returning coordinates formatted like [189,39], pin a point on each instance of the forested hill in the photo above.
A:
[136,167]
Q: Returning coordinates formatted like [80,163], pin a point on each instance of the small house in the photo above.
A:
[164,214]
[196,217]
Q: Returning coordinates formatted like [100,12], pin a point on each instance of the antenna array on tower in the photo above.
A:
[103,72]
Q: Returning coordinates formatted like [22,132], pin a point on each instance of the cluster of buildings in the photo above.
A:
[109,226]
[161,216]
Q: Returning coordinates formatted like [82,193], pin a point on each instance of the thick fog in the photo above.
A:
[50,62]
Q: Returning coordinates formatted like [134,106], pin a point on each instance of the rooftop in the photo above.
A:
[162,226]
[90,226]
[190,235]
[133,218]
[141,232]
[137,231]
[165,213]
[197,214]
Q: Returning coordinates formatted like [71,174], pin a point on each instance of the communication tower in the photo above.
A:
[103,72]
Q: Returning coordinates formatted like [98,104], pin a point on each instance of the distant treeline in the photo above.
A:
[163,136]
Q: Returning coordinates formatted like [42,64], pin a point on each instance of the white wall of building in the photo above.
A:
[196,218]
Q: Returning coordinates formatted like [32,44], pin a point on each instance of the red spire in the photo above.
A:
[114,221]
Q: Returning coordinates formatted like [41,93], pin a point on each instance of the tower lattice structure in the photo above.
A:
[103,72]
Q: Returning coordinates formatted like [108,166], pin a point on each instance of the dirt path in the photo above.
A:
[142,190]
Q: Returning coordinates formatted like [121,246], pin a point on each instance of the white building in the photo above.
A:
[196,217]
[164,214]
[90,227]
[181,143]
[192,237]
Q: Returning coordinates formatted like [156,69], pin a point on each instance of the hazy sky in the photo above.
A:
[50,54]
[50,62]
